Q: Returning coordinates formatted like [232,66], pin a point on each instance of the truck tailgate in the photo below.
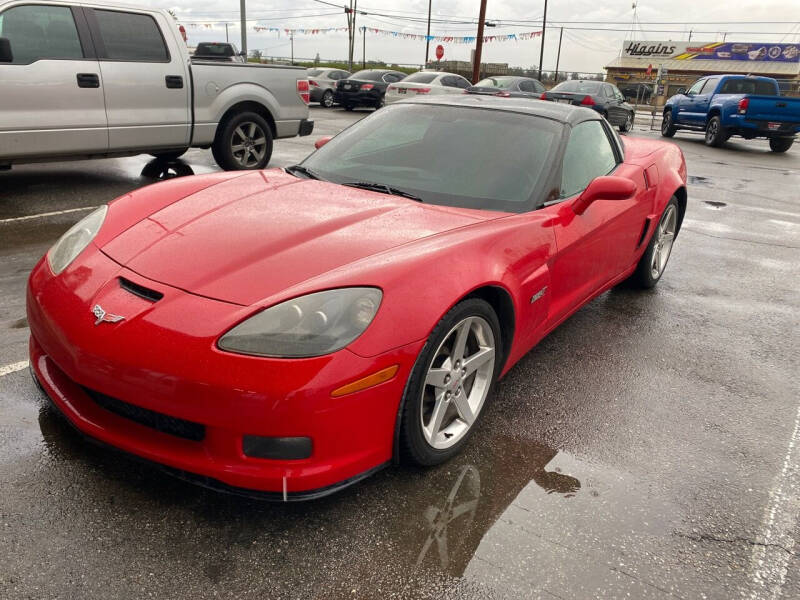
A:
[773,109]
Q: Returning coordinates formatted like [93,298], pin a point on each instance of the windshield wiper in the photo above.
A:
[382,187]
[301,169]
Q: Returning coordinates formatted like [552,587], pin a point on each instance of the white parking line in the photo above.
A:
[771,557]
[13,368]
[47,214]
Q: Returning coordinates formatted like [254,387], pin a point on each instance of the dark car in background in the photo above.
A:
[365,88]
[640,92]
[508,86]
[218,51]
[603,97]
[322,84]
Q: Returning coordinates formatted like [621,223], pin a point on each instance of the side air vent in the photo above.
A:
[140,290]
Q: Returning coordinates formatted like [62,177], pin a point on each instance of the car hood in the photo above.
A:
[249,238]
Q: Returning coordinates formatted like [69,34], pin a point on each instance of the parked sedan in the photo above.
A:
[603,97]
[322,84]
[508,87]
[426,83]
[365,88]
[292,331]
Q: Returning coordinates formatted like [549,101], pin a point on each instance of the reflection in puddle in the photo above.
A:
[162,170]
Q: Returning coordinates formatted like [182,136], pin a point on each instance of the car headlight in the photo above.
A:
[75,240]
[310,325]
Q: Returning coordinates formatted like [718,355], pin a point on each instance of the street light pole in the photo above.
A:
[476,63]
[243,16]
[544,27]
[428,36]
[558,56]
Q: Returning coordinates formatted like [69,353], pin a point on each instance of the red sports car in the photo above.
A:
[288,332]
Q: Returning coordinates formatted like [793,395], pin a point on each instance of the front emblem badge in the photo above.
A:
[538,294]
[104,317]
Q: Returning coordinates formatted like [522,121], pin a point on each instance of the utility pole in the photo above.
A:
[364,48]
[724,36]
[476,61]
[291,39]
[428,36]
[226,32]
[243,16]
[558,56]
[353,40]
[541,52]
[690,35]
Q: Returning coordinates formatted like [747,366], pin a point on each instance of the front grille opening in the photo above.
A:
[181,428]
[140,290]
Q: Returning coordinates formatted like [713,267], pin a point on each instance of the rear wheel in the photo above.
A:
[654,260]
[380,102]
[780,144]
[667,126]
[627,125]
[327,99]
[716,134]
[450,382]
[243,142]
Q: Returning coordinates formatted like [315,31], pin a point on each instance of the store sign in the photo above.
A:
[756,51]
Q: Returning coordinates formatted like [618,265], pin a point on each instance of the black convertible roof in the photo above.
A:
[564,113]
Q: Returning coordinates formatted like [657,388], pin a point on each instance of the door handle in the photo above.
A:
[88,80]
[174,82]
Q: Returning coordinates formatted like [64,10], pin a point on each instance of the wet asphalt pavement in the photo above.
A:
[648,448]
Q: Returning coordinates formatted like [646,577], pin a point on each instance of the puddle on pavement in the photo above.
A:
[699,180]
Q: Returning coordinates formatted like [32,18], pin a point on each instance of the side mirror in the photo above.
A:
[607,187]
[682,91]
[322,141]
[5,51]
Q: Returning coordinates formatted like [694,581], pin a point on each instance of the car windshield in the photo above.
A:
[580,87]
[759,87]
[420,78]
[315,72]
[368,75]
[452,156]
[495,82]
[214,49]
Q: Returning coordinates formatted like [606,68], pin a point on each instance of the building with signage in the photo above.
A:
[681,63]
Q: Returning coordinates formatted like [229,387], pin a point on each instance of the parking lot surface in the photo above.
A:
[649,447]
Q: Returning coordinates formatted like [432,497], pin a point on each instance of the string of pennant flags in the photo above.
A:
[467,39]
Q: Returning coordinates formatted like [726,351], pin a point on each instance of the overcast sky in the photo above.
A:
[586,51]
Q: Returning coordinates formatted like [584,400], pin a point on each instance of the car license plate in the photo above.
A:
[402,91]
[347,86]
[773,126]
[564,101]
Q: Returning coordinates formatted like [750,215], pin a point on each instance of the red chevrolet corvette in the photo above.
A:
[288,332]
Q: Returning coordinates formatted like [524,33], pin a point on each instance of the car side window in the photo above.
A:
[617,94]
[448,81]
[696,87]
[709,85]
[41,32]
[462,83]
[589,154]
[131,37]
[527,86]
[391,77]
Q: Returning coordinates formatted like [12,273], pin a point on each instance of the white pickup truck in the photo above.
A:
[86,80]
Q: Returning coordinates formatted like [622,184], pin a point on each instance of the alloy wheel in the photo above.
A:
[457,382]
[712,130]
[327,99]
[666,122]
[248,144]
[665,236]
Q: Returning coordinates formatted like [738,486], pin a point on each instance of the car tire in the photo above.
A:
[169,156]
[646,274]
[380,102]
[667,126]
[716,134]
[627,125]
[327,99]
[243,142]
[457,390]
[780,144]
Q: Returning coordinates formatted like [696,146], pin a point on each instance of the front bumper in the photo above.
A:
[163,358]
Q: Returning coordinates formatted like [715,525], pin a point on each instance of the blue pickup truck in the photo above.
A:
[726,105]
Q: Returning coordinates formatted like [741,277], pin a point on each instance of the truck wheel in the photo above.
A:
[169,156]
[667,126]
[716,134]
[327,99]
[780,144]
[244,141]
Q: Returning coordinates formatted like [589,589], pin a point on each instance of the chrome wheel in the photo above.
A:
[712,130]
[628,123]
[457,382]
[665,236]
[327,99]
[248,144]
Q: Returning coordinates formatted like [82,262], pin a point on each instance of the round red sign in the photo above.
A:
[439,52]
